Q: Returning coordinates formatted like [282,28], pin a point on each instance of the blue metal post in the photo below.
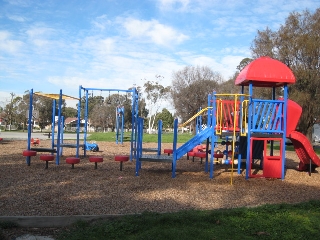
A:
[175,138]
[29,124]
[285,112]
[78,122]
[53,122]
[117,124]
[159,137]
[59,128]
[61,135]
[134,122]
[139,145]
[213,125]
[249,130]
[208,125]
[122,124]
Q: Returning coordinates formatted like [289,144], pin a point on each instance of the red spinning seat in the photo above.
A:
[121,159]
[47,158]
[95,159]
[72,161]
[29,153]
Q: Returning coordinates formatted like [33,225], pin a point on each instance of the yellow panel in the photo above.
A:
[55,96]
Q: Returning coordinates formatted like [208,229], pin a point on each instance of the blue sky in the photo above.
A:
[50,45]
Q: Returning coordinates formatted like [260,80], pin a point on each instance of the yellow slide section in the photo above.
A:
[194,116]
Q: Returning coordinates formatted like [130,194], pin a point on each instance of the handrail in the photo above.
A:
[194,116]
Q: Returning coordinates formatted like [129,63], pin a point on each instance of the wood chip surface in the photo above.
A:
[61,191]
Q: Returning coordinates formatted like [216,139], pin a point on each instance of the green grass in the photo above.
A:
[282,221]
[111,137]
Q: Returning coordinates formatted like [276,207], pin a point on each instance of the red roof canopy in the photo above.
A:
[265,72]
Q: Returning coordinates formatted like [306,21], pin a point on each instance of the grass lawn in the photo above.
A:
[282,221]
[148,138]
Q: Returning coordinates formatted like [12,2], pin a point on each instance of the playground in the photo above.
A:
[63,191]
[125,178]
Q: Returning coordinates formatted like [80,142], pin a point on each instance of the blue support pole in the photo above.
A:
[208,125]
[249,130]
[122,124]
[135,119]
[159,137]
[134,122]
[28,159]
[59,128]
[213,125]
[78,122]
[61,135]
[175,138]
[139,145]
[53,124]
[117,124]
[285,112]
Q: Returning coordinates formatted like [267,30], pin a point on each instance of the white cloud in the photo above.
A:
[17,18]
[7,44]
[20,3]
[101,22]
[45,39]
[153,31]
[38,31]
[100,47]
[178,5]
[225,65]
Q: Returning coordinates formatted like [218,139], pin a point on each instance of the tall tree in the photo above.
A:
[155,95]
[297,44]
[11,110]
[190,89]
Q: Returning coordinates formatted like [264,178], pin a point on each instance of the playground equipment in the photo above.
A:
[56,147]
[134,107]
[121,159]
[253,126]
[72,161]
[119,124]
[95,159]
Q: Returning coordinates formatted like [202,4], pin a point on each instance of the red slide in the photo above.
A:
[304,150]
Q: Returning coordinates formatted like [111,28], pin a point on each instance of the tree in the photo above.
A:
[166,117]
[297,44]
[70,112]
[244,62]
[190,89]
[11,111]
[44,106]
[102,112]
[155,94]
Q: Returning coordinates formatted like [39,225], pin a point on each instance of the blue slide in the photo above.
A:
[193,142]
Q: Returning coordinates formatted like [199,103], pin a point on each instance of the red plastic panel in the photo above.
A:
[272,166]
[293,115]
